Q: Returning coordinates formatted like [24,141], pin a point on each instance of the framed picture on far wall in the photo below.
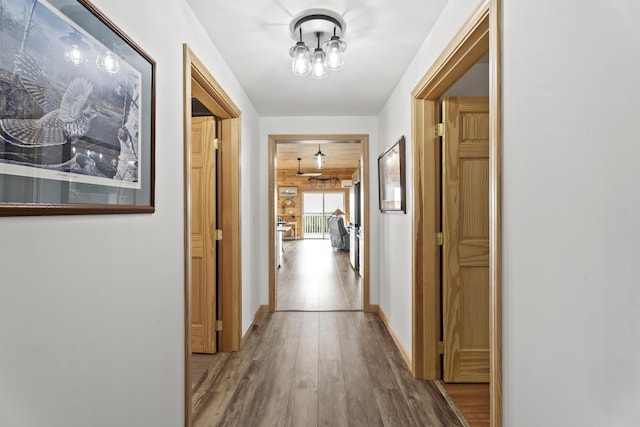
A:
[76,112]
[288,191]
[391,178]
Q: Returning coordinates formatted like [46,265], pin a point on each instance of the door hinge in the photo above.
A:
[217,235]
[440,129]
[440,347]
[439,239]
[216,143]
[218,325]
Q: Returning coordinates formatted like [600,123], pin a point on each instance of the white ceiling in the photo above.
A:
[382,36]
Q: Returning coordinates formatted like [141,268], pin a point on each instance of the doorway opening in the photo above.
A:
[222,218]
[291,175]
[479,35]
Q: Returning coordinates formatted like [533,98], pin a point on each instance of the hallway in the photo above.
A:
[318,360]
[314,276]
[317,368]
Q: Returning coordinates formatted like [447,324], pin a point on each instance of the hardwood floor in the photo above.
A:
[318,369]
[199,365]
[315,277]
[323,366]
[472,400]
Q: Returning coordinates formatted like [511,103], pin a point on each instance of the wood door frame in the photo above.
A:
[199,82]
[480,33]
[273,140]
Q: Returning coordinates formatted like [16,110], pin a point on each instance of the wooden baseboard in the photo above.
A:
[261,311]
[403,351]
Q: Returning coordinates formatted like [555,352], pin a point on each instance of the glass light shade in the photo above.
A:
[74,55]
[319,159]
[333,50]
[300,65]
[318,69]
[75,46]
[108,62]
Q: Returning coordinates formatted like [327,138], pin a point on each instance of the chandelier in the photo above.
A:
[313,28]
[322,182]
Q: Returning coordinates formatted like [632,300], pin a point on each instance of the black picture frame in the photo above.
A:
[77,112]
[391,178]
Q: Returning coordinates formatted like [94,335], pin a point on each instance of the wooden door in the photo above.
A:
[465,218]
[203,244]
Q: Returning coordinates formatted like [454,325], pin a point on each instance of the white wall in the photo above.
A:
[91,307]
[319,126]
[395,229]
[570,231]
[571,203]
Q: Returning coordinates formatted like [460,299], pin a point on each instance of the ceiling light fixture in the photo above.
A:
[318,158]
[317,26]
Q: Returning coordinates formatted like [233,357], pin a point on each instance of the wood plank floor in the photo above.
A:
[315,277]
[472,400]
[199,365]
[319,369]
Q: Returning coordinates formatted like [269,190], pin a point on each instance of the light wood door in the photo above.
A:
[203,244]
[465,218]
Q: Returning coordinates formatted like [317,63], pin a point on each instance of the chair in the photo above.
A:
[338,232]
